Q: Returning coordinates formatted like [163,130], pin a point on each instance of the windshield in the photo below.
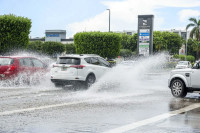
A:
[6,61]
[182,63]
[68,60]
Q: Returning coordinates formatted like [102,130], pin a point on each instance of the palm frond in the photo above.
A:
[190,25]
[194,20]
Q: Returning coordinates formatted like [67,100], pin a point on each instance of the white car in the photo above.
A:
[182,81]
[75,69]
[183,64]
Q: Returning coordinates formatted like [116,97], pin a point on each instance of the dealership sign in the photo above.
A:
[145,35]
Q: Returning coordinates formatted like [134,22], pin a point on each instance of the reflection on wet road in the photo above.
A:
[58,110]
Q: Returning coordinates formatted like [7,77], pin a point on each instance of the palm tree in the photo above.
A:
[195,32]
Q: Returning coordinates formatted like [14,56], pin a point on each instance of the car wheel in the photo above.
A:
[58,85]
[90,80]
[178,88]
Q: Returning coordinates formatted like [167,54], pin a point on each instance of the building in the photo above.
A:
[182,33]
[54,36]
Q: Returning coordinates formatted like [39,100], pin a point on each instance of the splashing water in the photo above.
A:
[37,80]
[144,77]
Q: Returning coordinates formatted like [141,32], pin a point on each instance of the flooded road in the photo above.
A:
[134,100]
[30,110]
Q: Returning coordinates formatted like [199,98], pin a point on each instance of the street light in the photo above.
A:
[109,18]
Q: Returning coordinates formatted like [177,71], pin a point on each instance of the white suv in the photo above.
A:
[74,69]
[182,81]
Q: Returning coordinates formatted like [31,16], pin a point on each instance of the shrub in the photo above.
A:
[125,53]
[35,46]
[176,56]
[182,57]
[70,48]
[53,48]
[191,58]
[14,31]
[105,44]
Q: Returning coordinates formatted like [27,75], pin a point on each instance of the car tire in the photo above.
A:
[178,88]
[90,80]
[58,85]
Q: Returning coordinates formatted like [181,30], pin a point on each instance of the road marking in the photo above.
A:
[41,107]
[134,125]
[59,105]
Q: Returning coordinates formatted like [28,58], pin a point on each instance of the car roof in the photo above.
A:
[80,55]
[16,57]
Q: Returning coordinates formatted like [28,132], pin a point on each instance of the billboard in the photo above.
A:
[145,35]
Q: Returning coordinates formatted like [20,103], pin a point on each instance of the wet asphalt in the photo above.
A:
[56,110]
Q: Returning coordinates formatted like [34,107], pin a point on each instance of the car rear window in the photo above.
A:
[68,60]
[6,61]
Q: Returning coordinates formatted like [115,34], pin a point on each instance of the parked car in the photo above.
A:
[20,68]
[75,69]
[182,81]
[183,64]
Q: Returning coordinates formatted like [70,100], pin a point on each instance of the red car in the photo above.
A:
[13,67]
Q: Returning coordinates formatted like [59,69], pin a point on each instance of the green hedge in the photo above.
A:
[182,57]
[52,48]
[70,48]
[105,44]
[14,32]
[125,53]
[35,46]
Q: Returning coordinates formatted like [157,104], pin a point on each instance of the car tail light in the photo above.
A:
[78,66]
[11,68]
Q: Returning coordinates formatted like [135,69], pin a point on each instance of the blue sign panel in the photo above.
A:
[144,34]
[52,35]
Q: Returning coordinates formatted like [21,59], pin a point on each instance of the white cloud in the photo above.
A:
[187,13]
[124,14]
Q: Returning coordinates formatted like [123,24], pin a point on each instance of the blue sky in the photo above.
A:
[91,15]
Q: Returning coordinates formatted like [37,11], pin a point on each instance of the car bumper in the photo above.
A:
[65,82]
[67,77]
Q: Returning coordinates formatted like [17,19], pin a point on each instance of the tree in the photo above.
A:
[14,32]
[195,32]
[158,42]
[172,42]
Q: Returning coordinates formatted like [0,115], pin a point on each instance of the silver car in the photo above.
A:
[183,64]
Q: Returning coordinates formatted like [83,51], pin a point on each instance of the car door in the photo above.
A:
[39,67]
[28,66]
[105,66]
[195,76]
[95,65]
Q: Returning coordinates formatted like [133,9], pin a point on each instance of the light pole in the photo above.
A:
[186,47]
[109,18]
